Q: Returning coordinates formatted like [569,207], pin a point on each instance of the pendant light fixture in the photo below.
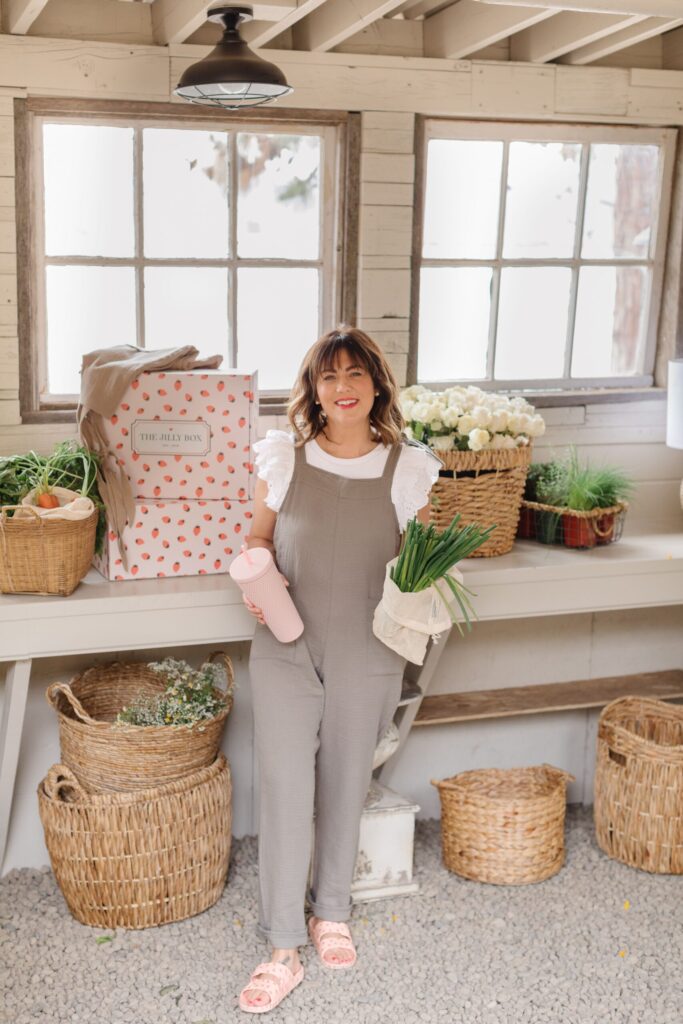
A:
[232,76]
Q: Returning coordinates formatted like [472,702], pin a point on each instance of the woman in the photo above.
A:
[331,502]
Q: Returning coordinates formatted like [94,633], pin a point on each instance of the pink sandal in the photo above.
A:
[328,935]
[276,989]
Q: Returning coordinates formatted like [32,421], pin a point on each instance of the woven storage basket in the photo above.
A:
[112,758]
[638,806]
[504,826]
[551,524]
[133,860]
[485,487]
[41,555]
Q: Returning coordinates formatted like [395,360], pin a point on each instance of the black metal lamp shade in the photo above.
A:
[232,76]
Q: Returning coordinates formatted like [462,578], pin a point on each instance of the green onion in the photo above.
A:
[427,555]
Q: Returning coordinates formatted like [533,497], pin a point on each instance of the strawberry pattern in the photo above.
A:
[187,435]
[178,538]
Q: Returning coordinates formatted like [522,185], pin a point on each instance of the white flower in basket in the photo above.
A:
[405,622]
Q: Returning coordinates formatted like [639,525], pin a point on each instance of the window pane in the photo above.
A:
[187,306]
[542,196]
[88,171]
[621,202]
[278,206]
[610,321]
[454,323]
[185,193]
[87,308]
[277,321]
[532,322]
[462,199]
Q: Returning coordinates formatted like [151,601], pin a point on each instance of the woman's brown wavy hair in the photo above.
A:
[308,420]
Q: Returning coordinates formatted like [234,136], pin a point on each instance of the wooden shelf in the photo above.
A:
[533,700]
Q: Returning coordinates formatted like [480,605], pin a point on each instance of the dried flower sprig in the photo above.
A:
[189,697]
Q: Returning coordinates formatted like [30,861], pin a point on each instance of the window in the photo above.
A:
[164,231]
[541,254]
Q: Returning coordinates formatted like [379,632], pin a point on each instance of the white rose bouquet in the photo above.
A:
[465,418]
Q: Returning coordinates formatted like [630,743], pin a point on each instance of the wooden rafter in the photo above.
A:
[337,20]
[173,21]
[647,8]
[259,35]
[566,31]
[20,15]
[469,26]
[621,40]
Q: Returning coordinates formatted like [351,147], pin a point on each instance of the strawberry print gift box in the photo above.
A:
[187,434]
[177,538]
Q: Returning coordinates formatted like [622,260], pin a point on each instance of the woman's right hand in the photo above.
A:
[254,609]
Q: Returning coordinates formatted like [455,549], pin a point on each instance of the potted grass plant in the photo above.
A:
[423,588]
[574,503]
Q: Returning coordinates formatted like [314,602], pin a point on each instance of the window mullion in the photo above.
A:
[496,270]
[233,179]
[578,236]
[138,216]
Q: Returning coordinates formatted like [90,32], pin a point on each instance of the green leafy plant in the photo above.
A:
[567,483]
[70,465]
[190,696]
[427,554]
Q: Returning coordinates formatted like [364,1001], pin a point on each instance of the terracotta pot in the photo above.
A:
[526,528]
[578,532]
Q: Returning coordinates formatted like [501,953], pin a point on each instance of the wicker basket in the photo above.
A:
[504,826]
[551,524]
[484,487]
[40,555]
[128,757]
[133,860]
[638,805]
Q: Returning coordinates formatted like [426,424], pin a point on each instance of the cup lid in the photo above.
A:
[249,566]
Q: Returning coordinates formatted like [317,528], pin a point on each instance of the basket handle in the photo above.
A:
[51,697]
[227,665]
[559,773]
[60,778]
[26,508]
[610,527]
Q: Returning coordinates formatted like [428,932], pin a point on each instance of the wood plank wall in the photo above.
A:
[388,91]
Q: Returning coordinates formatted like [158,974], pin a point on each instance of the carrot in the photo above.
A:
[47,500]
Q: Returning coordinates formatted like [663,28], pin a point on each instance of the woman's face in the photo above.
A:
[346,393]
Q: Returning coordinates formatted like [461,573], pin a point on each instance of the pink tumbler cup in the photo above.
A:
[255,573]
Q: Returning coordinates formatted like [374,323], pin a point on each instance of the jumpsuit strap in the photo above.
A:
[390,464]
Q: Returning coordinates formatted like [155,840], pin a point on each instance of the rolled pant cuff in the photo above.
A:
[330,913]
[283,940]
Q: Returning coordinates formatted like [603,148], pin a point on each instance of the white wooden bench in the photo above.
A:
[101,616]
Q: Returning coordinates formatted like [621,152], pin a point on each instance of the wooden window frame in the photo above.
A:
[562,391]
[338,293]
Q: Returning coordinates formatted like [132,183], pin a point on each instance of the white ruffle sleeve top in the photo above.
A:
[416,470]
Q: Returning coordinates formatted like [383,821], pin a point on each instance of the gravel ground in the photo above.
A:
[600,943]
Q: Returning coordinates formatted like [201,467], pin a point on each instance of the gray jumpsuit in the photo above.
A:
[322,701]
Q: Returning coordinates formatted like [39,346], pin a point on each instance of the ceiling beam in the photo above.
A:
[174,21]
[565,32]
[647,8]
[637,33]
[469,26]
[397,37]
[260,35]
[20,15]
[337,20]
